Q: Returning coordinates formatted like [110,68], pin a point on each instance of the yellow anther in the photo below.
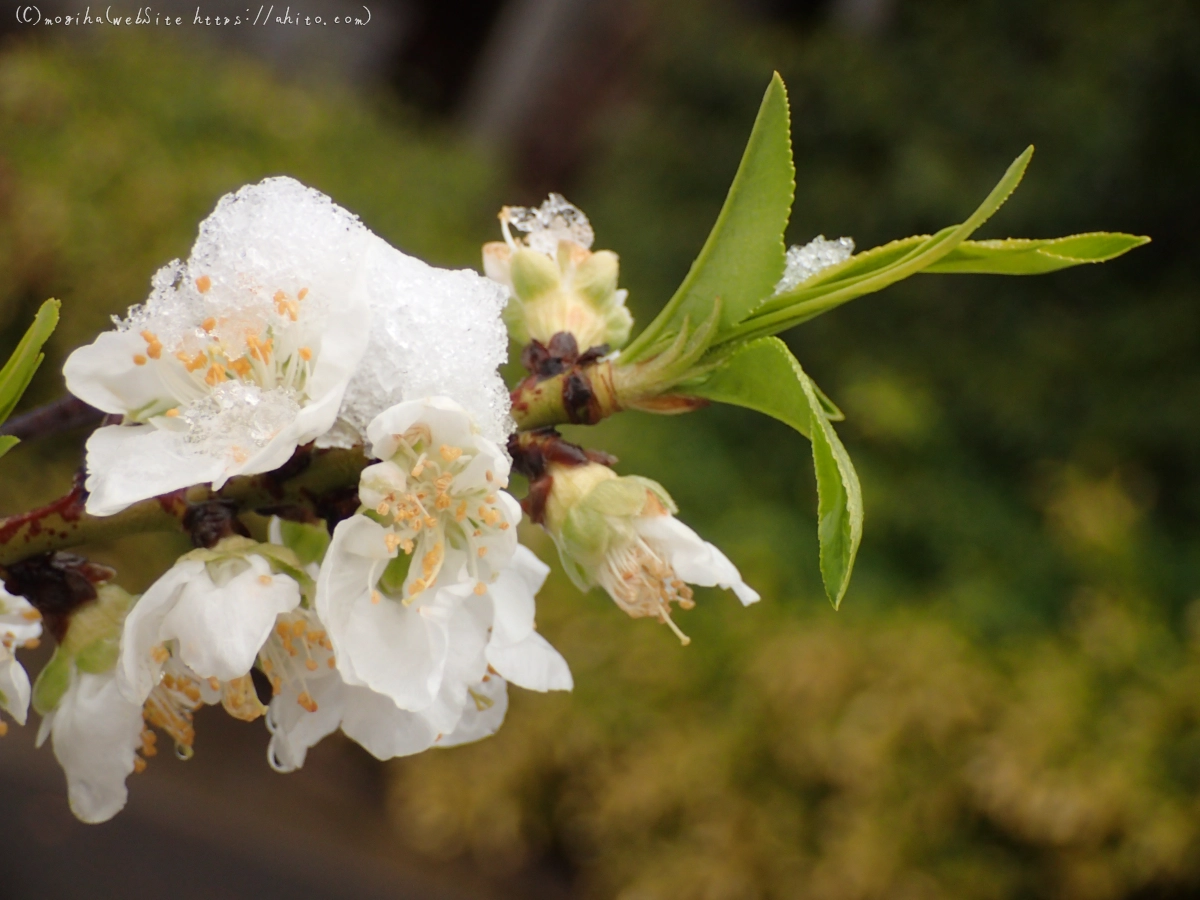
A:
[488,475]
[448,453]
[31,615]
[376,597]
[154,351]
[215,375]
[383,508]
[241,365]
[490,498]
[280,296]
[482,551]
[209,324]
[172,413]
[139,764]
[214,683]
[298,627]
[305,354]
[197,362]
[461,512]
[303,293]
[305,699]
[138,359]
[391,540]
[149,337]
[31,643]
[203,283]
[504,526]
[160,655]
[264,580]
[480,589]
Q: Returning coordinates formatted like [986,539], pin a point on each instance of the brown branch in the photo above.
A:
[64,414]
[305,482]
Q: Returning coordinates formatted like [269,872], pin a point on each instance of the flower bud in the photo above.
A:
[621,533]
[557,283]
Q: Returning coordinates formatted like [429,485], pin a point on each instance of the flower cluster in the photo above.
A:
[292,324]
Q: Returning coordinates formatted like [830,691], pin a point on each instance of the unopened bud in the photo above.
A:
[558,284]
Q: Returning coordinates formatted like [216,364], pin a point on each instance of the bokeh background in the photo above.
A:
[1008,704]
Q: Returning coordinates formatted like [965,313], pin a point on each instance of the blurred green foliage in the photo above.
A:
[1007,704]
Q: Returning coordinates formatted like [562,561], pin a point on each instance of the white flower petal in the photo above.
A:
[294,730]
[104,374]
[96,733]
[483,715]
[18,618]
[128,463]
[137,668]
[382,728]
[531,663]
[395,649]
[694,559]
[221,629]
[14,687]
[512,596]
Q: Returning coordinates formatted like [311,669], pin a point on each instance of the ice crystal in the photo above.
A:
[433,332]
[555,220]
[803,262]
[239,415]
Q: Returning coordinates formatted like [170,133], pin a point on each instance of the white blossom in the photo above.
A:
[621,534]
[214,615]
[239,355]
[426,591]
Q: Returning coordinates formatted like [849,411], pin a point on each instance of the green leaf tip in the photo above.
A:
[763,375]
[24,362]
[744,255]
[1024,256]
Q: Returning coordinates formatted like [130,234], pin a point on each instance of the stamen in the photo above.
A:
[203,283]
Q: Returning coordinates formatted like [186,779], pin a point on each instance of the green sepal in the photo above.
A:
[308,542]
[391,582]
[744,256]
[7,442]
[52,682]
[533,274]
[764,376]
[24,362]
[618,497]
[282,560]
[1022,256]
[99,656]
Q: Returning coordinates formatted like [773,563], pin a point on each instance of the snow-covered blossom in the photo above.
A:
[805,261]
[238,356]
[621,533]
[558,284]
[428,587]
[20,626]
[213,610]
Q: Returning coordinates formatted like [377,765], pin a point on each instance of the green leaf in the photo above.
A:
[19,370]
[764,376]
[874,270]
[7,442]
[743,258]
[1018,256]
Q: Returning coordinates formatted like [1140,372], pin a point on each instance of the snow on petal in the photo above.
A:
[433,331]
[239,355]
